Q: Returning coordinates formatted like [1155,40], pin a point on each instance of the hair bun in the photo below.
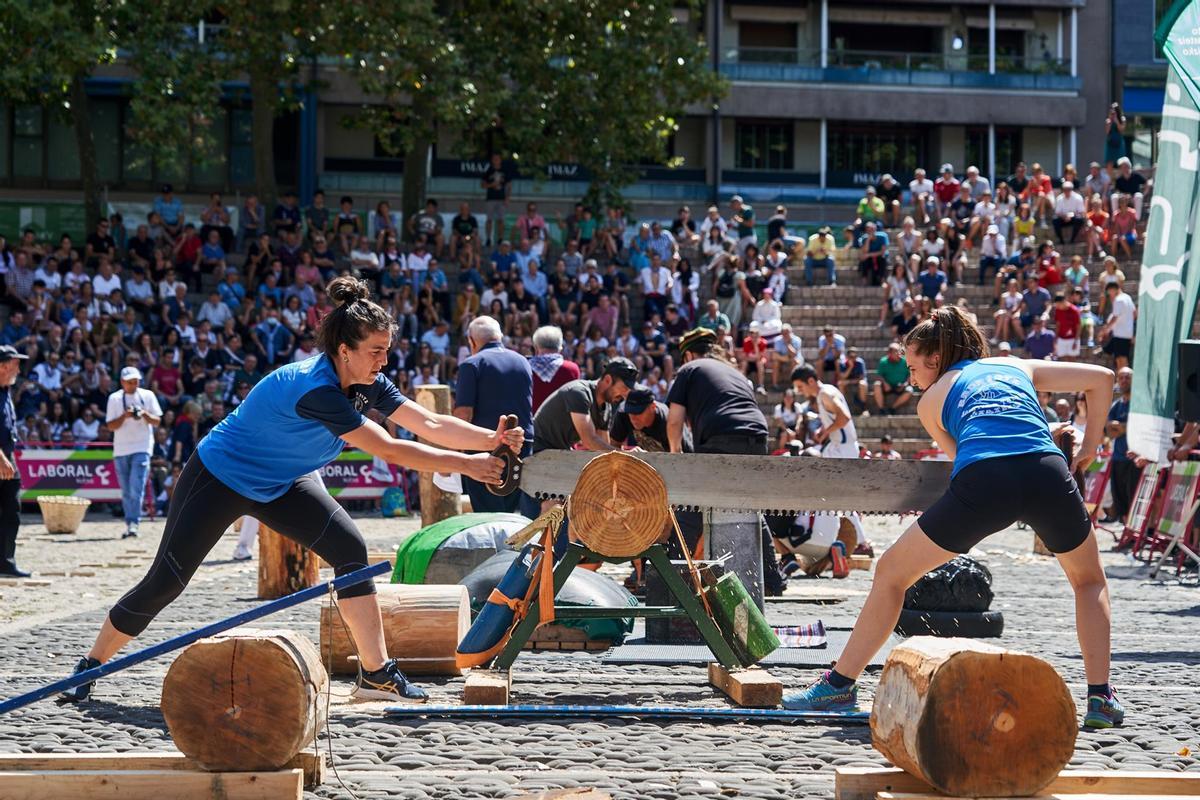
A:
[346,290]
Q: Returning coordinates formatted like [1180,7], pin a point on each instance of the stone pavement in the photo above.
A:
[45,628]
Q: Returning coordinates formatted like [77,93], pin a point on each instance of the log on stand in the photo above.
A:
[422,626]
[973,719]
[249,701]
[436,505]
[284,566]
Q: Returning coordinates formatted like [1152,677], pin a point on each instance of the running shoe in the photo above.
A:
[388,683]
[1104,712]
[131,531]
[823,696]
[80,692]
[837,558]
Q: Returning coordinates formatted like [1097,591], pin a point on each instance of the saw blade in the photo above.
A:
[768,484]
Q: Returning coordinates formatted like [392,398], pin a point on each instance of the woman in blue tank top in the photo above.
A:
[985,414]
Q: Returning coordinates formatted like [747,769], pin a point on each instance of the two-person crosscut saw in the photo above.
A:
[766,484]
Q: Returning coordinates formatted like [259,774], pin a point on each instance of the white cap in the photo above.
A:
[755,326]
[1068,185]
[737,198]
[1005,347]
[993,229]
[131,374]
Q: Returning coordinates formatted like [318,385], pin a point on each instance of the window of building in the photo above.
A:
[764,145]
[4,142]
[1141,140]
[773,42]
[1010,50]
[1008,149]
[1161,7]
[28,148]
[859,152]
[210,170]
[853,44]
[241,147]
[62,157]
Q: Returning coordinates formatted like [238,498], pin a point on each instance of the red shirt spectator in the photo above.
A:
[567,371]
[1039,184]
[946,190]
[753,351]
[1066,321]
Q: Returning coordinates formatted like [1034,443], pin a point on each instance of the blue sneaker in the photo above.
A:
[1104,712]
[388,683]
[823,696]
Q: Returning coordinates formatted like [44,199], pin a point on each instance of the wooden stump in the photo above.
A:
[422,626]
[436,505]
[971,719]
[284,566]
[250,700]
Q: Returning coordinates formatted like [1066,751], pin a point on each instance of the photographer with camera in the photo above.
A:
[133,414]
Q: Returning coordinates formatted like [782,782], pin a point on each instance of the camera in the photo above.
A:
[137,412]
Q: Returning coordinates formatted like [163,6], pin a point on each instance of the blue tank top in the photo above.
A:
[992,411]
[289,425]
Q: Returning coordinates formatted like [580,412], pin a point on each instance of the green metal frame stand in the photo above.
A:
[688,605]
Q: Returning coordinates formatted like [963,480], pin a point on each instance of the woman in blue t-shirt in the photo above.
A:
[984,413]
[259,460]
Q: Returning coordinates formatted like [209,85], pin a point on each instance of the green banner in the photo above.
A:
[1170,278]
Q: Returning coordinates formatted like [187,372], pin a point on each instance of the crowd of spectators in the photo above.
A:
[205,307]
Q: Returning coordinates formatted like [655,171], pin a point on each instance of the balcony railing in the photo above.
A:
[893,68]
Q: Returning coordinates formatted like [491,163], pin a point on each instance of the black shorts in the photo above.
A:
[990,495]
[1117,347]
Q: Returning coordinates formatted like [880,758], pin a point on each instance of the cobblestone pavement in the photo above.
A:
[47,624]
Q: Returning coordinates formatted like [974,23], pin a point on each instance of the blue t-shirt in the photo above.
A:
[992,411]
[1036,301]
[493,382]
[1119,412]
[931,285]
[289,425]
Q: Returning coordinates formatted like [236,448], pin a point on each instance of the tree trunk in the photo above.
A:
[88,170]
[412,196]
[436,505]
[245,702]
[972,719]
[284,566]
[264,94]
[422,626]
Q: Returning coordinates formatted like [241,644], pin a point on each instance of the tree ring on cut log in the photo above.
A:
[619,505]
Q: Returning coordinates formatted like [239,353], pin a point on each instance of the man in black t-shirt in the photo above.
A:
[888,191]
[1018,180]
[580,412]
[464,231]
[716,401]
[641,421]
[100,243]
[1130,184]
[498,186]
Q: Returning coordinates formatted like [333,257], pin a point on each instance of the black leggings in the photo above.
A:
[202,508]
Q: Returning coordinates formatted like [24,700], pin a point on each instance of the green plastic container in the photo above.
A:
[743,625]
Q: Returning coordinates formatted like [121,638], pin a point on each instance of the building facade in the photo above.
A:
[824,96]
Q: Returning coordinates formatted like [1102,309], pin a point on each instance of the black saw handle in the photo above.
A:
[510,476]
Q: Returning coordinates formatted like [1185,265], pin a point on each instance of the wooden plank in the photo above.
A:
[862,562]
[487,688]
[864,783]
[27,582]
[151,785]
[567,794]
[750,688]
[310,762]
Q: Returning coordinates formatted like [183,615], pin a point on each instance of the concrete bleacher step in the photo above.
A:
[850,294]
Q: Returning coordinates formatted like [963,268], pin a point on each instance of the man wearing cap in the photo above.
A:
[920,192]
[993,252]
[820,253]
[10,479]
[870,209]
[170,210]
[641,421]
[1069,212]
[888,192]
[1097,183]
[580,412]
[132,415]
[945,190]
[743,221]
[493,382]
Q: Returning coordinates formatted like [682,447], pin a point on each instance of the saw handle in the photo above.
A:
[510,475]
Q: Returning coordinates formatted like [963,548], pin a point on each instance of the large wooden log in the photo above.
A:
[971,719]
[436,505]
[250,700]
[284,566]
[422,626]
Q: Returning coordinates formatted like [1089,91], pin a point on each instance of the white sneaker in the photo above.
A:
[241,554]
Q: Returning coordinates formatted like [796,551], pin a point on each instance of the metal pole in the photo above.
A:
[1074,45]
[824,151]
[1058,154]
[824,40]
[118,664]
[991,38]
[715,11]
[991,164]
[639,712]
[1071,147]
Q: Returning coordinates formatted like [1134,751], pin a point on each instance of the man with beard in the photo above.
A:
[580,412]
[641,421]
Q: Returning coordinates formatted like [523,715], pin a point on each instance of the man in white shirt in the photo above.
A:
[105,280]
[768,313]
[214,311]
[920,190]
[993,252]
[139,292]
[1119,328]
[1069,212]
[713,220]
[48,374]
[132,415]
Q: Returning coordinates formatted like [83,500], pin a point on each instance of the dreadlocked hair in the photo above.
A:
[354,317]
[949,334]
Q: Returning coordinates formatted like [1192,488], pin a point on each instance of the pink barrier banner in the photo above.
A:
[90,473]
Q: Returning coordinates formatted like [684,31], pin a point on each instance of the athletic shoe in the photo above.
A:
[241,554]
[837,558]
[1104,712]
[823,696]
[388,683]
[131,531]
[80,692]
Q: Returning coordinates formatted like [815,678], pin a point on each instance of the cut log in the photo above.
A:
[284,566]
[248,701]
[436,504]
[972,719]
[422,626]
